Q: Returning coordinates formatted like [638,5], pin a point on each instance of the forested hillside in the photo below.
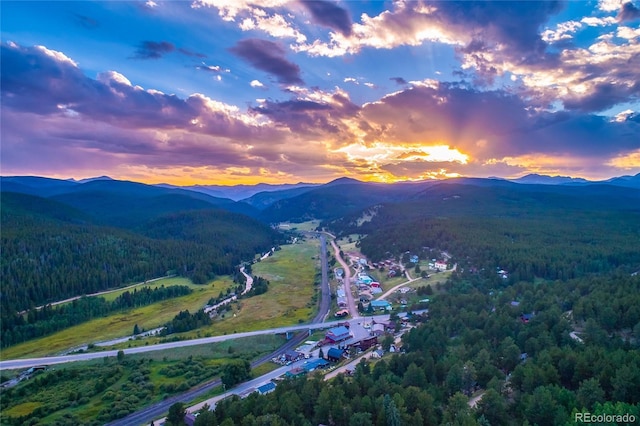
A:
[555,233]
[51,252]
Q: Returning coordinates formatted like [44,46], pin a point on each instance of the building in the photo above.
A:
[525,318]
[378,329]
[381,305]
[366,343]
[338,334]
[292,355]
[266,388]
[315,364]
[440,266]
[335,354]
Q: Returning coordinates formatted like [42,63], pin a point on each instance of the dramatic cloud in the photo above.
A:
[628,12]
[269,57]
[330,15]
[472,88]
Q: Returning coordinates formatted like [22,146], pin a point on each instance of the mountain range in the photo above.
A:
[131,204]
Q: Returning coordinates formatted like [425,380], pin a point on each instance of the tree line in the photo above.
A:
[17,328]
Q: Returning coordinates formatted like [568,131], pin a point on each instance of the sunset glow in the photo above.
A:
[241,92]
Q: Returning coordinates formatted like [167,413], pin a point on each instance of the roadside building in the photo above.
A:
[338,334]
[315,364]
[335,354]
[291,356]
[266,388]
[381,305]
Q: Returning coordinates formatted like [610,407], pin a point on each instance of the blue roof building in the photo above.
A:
[381,305]
[315,364]
[266,388]
[335,354]
[338,334]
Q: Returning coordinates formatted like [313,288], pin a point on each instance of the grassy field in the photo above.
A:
[120,324]
[303,226]
[291,274]
[167,282]
[347,246]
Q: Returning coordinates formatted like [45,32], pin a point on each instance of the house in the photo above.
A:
[375,284]
[414,259]
[315,364]
[340,292]
[338,334]
[342,302]
[381,305]
[266,388]
[515,303]
[342,313]
[377,353]
[440,266]
[292,355]
[335,354]
[366,343]
[525,318]
[296,372]
[378,329]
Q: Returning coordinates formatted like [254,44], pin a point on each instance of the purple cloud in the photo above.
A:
[628,12]
[399,80]
[153,49]
[330,15]
[269,57]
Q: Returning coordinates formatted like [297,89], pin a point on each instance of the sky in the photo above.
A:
[240,92]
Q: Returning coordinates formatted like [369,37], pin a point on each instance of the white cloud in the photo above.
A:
[256,83]
[598,22]
[409,24]
[275,25]
[563,31]
[611,5]
[58,56]
[628,33]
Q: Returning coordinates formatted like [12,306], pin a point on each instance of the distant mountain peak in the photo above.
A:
[343,180]
[91,179]
[535,178]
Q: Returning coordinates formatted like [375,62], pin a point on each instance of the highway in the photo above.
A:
[31,362]
[156,410]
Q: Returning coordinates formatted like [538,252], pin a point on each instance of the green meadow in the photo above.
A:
[121,324]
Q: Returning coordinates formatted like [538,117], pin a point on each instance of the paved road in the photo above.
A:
[154,411]
[148,414]
[353,310]
[30,362]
